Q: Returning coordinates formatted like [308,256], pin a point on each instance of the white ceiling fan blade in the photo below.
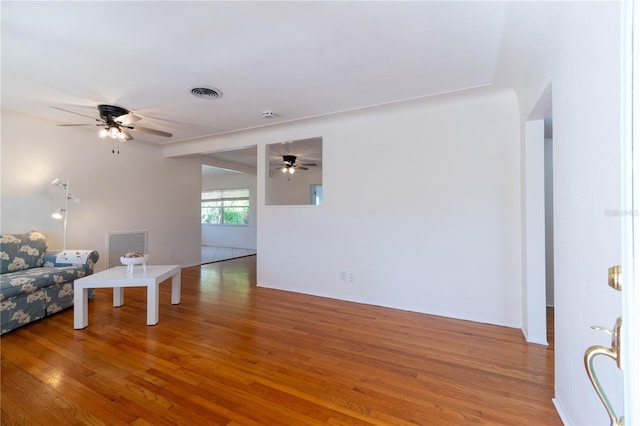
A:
[83,125]
[150,131]
[77,113]
[128,118]
[127,135]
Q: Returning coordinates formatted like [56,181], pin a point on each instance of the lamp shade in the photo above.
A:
[57,214]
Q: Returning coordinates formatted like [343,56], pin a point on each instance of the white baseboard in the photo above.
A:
[538,340]
[561,412]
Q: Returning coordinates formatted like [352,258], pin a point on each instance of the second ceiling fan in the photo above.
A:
[289,164]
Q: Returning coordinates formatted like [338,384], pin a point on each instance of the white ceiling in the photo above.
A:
[296,59]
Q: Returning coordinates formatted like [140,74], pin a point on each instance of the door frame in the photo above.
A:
[534,321]
[630,343]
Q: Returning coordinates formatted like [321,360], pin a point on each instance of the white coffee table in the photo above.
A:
[118,278]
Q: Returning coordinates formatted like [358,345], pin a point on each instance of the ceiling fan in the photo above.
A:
[116,122]
[289,164]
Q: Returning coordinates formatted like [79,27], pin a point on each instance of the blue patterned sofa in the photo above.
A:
[35,282]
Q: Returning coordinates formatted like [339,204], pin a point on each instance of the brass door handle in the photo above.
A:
[612,352]
[614,277]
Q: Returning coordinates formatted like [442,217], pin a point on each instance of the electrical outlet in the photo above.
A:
[350,277]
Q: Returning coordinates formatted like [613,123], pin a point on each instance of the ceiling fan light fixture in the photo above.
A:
[116,122]
[113,132]
[292,170]
[284,170]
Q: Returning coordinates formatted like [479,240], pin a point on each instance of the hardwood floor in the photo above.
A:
[235,354]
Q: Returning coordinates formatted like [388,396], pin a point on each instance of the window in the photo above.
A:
[315,195]
[225,206]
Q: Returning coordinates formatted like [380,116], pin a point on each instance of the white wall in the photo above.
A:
[421,203]
[139,189]
[534,285]
[286,189]
[232,236]
[575,46]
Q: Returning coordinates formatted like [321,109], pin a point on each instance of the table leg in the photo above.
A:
[80,308]
[118,296]
[175,289]
[152,303]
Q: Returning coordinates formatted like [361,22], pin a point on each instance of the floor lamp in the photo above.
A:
[63,213]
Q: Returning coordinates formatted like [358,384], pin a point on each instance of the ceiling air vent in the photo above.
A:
[206,93]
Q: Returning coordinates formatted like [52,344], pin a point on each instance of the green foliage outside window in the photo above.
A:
[225,206]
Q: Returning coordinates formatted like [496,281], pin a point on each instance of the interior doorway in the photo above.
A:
[537,229]
[229,204]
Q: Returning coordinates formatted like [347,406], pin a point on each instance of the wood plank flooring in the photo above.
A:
[235,354]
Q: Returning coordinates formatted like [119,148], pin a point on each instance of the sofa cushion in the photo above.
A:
[22,282]
[21,251]
[63,274]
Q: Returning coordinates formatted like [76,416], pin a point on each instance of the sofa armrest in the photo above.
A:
[71,257]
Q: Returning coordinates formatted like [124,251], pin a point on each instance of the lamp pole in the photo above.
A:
[66,214]
[59,214]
